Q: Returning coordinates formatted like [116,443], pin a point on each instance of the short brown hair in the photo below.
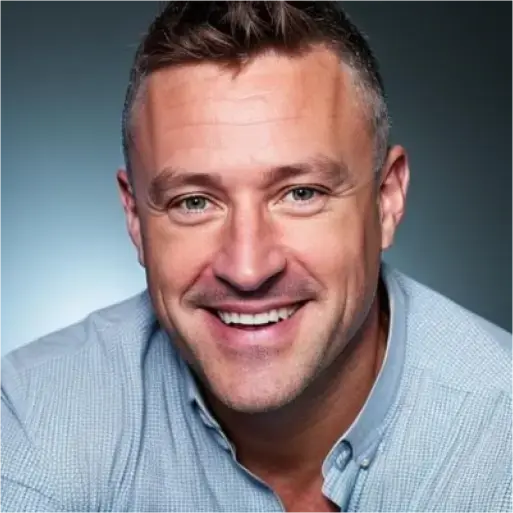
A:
[232,32]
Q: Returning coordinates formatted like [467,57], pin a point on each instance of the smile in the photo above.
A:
[258,319]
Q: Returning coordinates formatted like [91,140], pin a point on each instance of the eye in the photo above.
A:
[193,209]
[193,204]
[302,194]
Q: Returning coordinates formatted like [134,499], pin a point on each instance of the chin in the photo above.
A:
[255,405]
[261,394]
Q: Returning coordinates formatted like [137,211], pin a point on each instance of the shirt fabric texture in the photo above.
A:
[105,416]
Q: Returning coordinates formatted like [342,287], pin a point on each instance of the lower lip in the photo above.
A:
[272,337]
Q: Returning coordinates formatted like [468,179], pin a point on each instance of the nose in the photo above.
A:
[250,254]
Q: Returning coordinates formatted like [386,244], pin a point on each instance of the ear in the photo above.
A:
[131,215]
[394,181]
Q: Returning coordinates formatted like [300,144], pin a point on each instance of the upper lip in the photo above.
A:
[247,307]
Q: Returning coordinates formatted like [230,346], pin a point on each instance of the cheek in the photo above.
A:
[175,257]
[330,246]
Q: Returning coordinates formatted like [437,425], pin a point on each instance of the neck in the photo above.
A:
[294,440]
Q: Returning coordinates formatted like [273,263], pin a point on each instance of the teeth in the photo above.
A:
[257,319]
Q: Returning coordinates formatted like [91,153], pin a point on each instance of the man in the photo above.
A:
[275,363]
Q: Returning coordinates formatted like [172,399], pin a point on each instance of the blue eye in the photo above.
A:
[194,203]
[303,193]
[304,200]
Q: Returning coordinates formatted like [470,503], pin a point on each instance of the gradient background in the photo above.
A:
[65,65]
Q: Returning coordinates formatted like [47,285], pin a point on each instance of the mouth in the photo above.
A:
[248,321]
[256,321]
[242,332]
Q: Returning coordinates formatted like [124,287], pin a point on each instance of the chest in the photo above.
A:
[182,466]
[316,502]
[304,498]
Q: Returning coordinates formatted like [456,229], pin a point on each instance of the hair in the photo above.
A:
[230,33]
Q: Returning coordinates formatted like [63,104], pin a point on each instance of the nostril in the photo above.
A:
[251,289]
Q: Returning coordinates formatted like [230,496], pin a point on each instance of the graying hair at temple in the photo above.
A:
[231,33]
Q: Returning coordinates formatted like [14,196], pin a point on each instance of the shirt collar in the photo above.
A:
[195,397]
[366,431]
[364,434]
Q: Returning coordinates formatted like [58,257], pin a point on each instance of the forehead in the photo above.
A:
[276,110]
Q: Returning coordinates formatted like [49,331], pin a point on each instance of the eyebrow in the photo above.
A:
[173,178]
[334,172]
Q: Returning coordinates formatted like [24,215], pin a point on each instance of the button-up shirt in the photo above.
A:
[106,416]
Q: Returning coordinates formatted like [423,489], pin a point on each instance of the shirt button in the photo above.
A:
[340,461]
[365,463]
[342,458]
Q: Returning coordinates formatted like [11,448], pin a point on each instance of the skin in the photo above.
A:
[259,234]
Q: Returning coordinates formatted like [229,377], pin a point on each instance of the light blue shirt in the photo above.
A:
[105,416]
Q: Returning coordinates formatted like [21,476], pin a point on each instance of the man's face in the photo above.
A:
[257,219]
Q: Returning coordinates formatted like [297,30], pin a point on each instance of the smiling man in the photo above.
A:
[274,363]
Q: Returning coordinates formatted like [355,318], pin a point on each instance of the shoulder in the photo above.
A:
[100,329]
[81,361]
[450,432]
[95,339]
[455,346]
[69,396]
